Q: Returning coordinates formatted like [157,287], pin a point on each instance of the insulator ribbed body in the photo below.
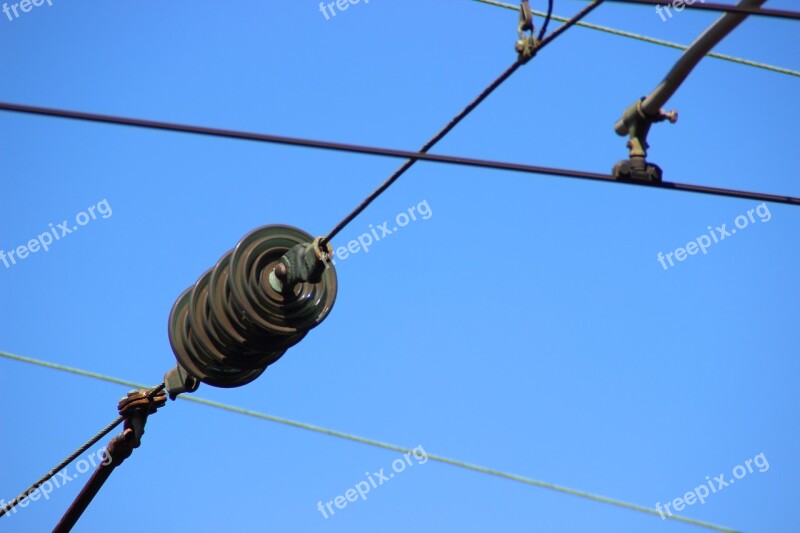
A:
[231,325]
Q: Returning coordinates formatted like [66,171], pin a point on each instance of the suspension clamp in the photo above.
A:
[135,408]
[636,123]
[526,44]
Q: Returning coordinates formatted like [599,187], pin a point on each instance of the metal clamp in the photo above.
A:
[526,44]
[179,380]
[302,263]
[636,123]
[135,408]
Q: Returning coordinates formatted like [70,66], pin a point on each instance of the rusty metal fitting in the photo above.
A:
[526,45]
[179,380]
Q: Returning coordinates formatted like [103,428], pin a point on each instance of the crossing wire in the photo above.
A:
[91,442]
[651,40]
[389,152]
[378,444]
[454,122]
[724,8]
[336,229]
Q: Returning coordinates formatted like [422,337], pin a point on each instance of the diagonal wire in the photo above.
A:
[378,444]
[91,442]
[103,432]
[356,438]
[454,122]
[651,40]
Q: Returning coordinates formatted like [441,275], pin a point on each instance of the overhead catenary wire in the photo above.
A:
[74,455]
[454,122]
[724,8]
[77,453]
[413,157]
[651,40]
[389,152]
[378,444]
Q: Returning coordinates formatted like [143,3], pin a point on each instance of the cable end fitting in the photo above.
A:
[526,44]
[178,380]
[526,48]
[303,263]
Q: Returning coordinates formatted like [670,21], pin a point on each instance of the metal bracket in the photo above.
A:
[178,380]
[526,44]
[135,408]
[636,123]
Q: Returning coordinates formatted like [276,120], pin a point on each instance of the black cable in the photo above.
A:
[452,124]
[105,431]
[387,152]
[408,164]
[543,30]
[710,6]
[91,442]
[310,143]
[568,24]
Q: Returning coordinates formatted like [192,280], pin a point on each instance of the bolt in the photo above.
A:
[281,272]
[671,116]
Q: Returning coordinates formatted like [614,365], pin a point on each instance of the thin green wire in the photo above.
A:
[651,40]
[378,444]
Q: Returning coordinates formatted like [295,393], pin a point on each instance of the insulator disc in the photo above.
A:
[254,257]
[181,339]
[227,328]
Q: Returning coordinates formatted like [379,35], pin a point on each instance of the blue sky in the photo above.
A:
[526,325]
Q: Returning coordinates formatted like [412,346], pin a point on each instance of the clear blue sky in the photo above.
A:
[526,325]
